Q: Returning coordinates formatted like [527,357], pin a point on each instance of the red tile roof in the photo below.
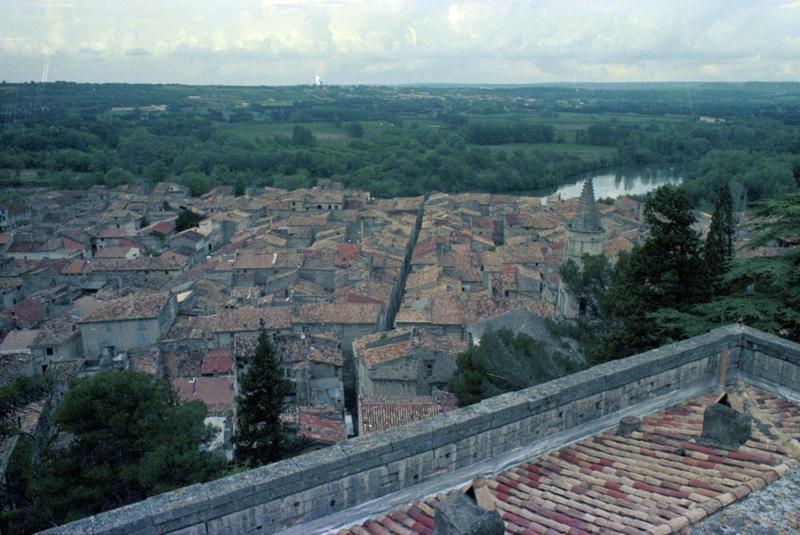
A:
[323,424]
[29,310]
[346,252]
[217,361]
[163,227]
[379,413]
[216,392]
[658,480]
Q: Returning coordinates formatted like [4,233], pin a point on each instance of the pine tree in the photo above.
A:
[261,436]
[719,242]
[664,272]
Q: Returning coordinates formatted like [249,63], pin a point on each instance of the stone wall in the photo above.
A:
[287,493]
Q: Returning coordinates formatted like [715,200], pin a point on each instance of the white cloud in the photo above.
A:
[389,41]
[455,16]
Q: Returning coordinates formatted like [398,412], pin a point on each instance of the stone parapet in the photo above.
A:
[314,485]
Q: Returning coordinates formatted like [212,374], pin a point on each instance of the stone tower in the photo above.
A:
[584,237]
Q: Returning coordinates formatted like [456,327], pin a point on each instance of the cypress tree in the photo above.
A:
[261,436]
[719,242]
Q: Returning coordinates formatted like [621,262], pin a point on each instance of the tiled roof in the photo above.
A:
[146,361]
[337,313]
[18,341]
[246,319]
[380,413]
[217,361]
[137,305]
[658,480]
[324,424]
[55,332]
[216,392]
[164,227]
[29,310]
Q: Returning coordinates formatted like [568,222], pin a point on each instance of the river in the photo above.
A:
[614,182]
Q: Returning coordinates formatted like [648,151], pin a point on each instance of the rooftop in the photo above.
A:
[658,480]
[379,413]
[137,305]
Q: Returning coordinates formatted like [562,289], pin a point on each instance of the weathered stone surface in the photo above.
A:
[771,511]
[460,515]
[628,425]
[725,427]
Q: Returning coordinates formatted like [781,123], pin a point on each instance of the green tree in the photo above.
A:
[261,437]
[187,219]
[666,271]
[125,440]
[16,394]
[719,242]
[504,362]
[239,186]
[355,130]
[198,183]
[763,291]
[302,136]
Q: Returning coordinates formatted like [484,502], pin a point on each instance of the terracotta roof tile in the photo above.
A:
[217,361]
[657,480]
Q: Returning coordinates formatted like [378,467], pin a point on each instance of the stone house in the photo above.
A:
[190,243]
[347,320]
[56,340]
[405,362]
[137,320]
[11,291]
[12,215]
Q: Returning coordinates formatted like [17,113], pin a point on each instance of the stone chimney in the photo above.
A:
[725,427]
[469,513]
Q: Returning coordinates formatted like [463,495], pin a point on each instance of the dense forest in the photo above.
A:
[398,140]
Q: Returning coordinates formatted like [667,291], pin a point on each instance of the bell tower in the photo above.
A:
[584,237]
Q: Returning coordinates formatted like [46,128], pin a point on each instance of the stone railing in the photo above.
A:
[314,485]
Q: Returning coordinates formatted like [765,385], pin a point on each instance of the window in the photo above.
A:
[429,369]
[49,351]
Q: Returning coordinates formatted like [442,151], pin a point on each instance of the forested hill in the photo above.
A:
[397,140]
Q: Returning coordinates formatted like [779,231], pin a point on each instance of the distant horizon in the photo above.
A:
[423,84]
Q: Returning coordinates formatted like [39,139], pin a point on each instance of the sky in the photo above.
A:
[279,42]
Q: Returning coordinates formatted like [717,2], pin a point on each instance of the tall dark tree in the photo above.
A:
[186,220]
[261,436]
[762,291]
[719,242]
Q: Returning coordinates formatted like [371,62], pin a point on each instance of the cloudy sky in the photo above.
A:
[392,41]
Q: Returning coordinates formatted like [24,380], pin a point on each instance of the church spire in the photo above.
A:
[586,219]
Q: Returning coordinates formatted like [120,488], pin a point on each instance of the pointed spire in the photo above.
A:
[586,219]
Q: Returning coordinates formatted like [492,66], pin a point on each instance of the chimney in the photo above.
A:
[470,513]
[725,427]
